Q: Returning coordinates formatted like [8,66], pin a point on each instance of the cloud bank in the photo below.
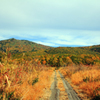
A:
[53,23]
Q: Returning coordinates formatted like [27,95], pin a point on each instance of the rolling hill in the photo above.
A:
[20,46]
[95,50]
[49,55]
[17,46]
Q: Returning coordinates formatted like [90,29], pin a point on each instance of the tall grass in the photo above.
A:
[87,78]
[23,81]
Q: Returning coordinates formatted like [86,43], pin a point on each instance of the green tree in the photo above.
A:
[55,61]
[60,62]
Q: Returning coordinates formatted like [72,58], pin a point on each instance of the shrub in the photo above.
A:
[35,81]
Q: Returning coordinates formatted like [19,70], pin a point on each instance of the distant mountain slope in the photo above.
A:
[95,48]
[75,50]
[21,46]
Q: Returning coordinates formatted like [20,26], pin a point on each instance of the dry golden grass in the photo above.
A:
[27,81]
[88,75]
[92,89]
[86,78]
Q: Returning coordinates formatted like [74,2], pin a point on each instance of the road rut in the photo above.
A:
[70,92]
[61,89]
[55,91]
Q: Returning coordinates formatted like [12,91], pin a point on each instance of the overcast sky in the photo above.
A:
[51,22]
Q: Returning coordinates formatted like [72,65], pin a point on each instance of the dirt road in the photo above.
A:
[60,89]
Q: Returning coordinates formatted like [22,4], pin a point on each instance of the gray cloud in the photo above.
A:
[62,22]
[51,14]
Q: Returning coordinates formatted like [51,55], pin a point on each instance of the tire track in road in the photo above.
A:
[61,89]
[55,91]
[62,95]
[70,92]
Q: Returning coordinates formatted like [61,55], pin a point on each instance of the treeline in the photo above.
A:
[65,60]
[40,57]
[75,50]
[55,60]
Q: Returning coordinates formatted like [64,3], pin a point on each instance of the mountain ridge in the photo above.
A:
[17,46]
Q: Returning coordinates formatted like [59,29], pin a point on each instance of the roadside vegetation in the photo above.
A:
[24,80]
[84,79]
